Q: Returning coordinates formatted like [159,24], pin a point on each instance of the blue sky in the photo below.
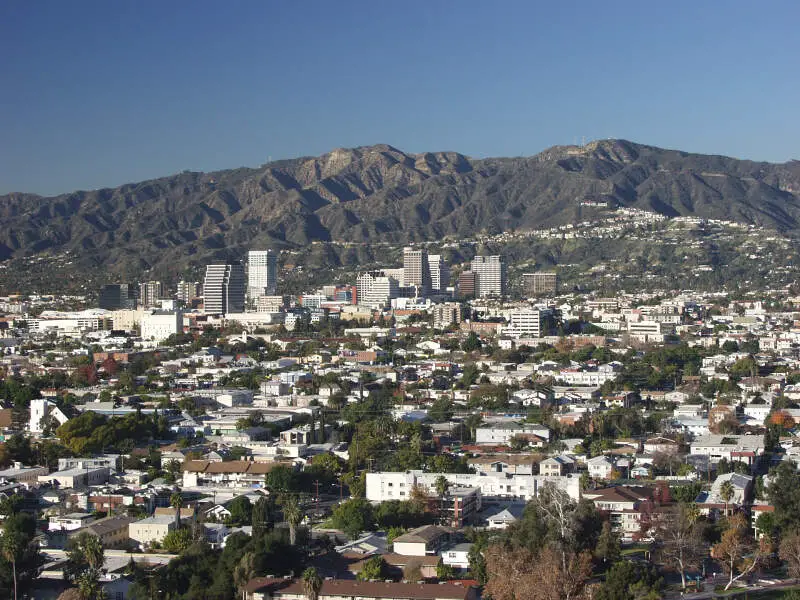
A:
[99,93]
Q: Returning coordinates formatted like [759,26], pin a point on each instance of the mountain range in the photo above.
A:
[381,194]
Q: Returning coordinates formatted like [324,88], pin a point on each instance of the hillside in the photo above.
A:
[381,194]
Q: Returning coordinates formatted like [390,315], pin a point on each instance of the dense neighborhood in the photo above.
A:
[349,443]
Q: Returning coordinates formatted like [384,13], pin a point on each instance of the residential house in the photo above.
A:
[114,532]
[514,464]
[556,466]
[422,541]
[661,445]
[712,502]
[457,556]
[600,467]
[625,506]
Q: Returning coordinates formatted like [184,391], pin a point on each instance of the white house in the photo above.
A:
[41,410]
[600,467]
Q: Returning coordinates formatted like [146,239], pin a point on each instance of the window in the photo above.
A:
[402,493]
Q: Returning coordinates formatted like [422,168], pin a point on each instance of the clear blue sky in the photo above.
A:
[102,93]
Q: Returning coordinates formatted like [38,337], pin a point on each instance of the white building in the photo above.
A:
[41,410]
[527,322]
[376,289]
[490,276]
[158,325]
[397,486]
[440,273]
[262,273]
[501,433]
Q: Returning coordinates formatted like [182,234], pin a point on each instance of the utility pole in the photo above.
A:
[316,499]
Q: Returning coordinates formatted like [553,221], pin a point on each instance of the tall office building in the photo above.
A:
[117,296]
[149,293]
[416,271]
[376,289]
[262,273]
[440,273]
[466,284]
[188,291]
[543,282]
[224,289]
[490,276]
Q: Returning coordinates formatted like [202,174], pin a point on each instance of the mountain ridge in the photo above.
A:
[380,193]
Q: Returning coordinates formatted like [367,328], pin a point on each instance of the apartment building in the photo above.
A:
[440,273]
[446,314]
[397,486]
[158,325]
[150,292]
[416,270]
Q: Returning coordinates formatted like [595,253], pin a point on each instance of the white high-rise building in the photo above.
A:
[262,273]
[440,273]
[376,289]
[416,270]
[528,322]
[490,276]
[224,289]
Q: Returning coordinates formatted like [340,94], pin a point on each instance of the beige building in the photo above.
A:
[114,532]
[152,529]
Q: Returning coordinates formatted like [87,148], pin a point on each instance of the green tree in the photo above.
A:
[472,343]
[726,492]
[608,544]
[353,516]
[782,494]
[21,558]
[241,511]
[372,568]
[444,572]
[84,553]
[177,540]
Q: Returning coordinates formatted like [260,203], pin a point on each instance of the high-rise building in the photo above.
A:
[262,273]
[188,291]
[149,293]
[416,271]
[440,273]
[376,289]
[542,282]
[490,276]
[466,284]
[117,296]
[224,289]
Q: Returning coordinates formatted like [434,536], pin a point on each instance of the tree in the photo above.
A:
[293,515]
[608,544]
[241,511]
[312,583]
[21,558]
[726,492]
[176,501]
[519,574]
[629,581]
[679,538]
[353,516]
[372,568]
[84,553]
[177,540]
[244,571]
[472,343]
[441,410]
[444,571]
[736,552]
[789,551]
[782,494]
[11,547]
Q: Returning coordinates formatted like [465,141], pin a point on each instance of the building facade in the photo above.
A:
[490,276]
[262,273]
[224,289]
[537,284]
[416,270]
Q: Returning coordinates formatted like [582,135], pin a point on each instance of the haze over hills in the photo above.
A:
[379,193]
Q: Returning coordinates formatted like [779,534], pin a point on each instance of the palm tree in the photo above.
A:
[312,583]
[726,492]
[92,549]
[11,547]
[692,513]
[89,586]
[292,514]
[176,500]
[442,487]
